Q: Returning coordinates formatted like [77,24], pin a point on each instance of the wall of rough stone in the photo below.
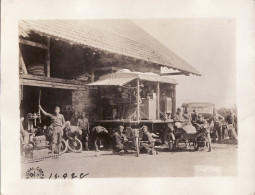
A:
[86,101]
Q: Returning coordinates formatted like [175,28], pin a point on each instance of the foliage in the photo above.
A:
[224,111]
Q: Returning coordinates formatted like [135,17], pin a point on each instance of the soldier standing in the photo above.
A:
[57,124]
[83,124]
[217,120]
[194,117]
[74,118]
[231,121]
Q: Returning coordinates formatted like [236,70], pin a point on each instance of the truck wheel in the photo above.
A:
[74,145]
[62,147]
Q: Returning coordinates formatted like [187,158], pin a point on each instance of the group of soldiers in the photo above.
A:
[218,123]
[121,142]
[222,124]
[79,127]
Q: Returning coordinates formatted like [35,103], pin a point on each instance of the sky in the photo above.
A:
[209,46]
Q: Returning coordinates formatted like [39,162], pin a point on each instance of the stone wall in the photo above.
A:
[86,101]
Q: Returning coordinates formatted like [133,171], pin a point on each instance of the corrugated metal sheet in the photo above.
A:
[117,36]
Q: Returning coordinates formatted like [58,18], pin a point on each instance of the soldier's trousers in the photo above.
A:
[217,130]
[146,148]
[231,129]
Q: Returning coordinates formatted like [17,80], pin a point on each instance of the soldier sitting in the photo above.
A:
[200,122]
[179,120]
[147,142]
[119,141]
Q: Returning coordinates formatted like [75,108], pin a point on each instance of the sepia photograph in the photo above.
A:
[127,97]
[108,98]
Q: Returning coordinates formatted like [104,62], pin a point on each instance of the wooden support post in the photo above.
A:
[48,57]
[100,102]
[158,99]
[20,93]
[138,99]
[174,101]
[22,63]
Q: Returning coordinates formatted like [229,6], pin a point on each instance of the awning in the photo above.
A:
[112,82]
[139,75]
[160,79]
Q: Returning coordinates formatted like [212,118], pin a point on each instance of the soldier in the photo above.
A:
[24,134]
[119,140]
[217,120]
[187,116]
[231,121]
[74,118]
[179,120]
[147,142]
[72,132]
[57,124]
[178,117]
[199,122]
[83,124]
[95,133]
[169,134]
[194,117]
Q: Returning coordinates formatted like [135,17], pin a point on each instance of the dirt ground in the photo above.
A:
[221,161]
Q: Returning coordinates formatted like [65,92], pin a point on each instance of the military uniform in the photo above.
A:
[199,122]
[217,127]
[74,120]
[231,121]
[118,143]
[95,135]
[24,134]
[194,117]
[178,117]
[187,118]
[179,120]
[72,132]
[57,124]
[83,124]
[148,145]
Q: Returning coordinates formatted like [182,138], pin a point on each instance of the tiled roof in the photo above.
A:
[117,36]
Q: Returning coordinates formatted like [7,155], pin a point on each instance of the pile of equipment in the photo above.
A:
[39,150]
